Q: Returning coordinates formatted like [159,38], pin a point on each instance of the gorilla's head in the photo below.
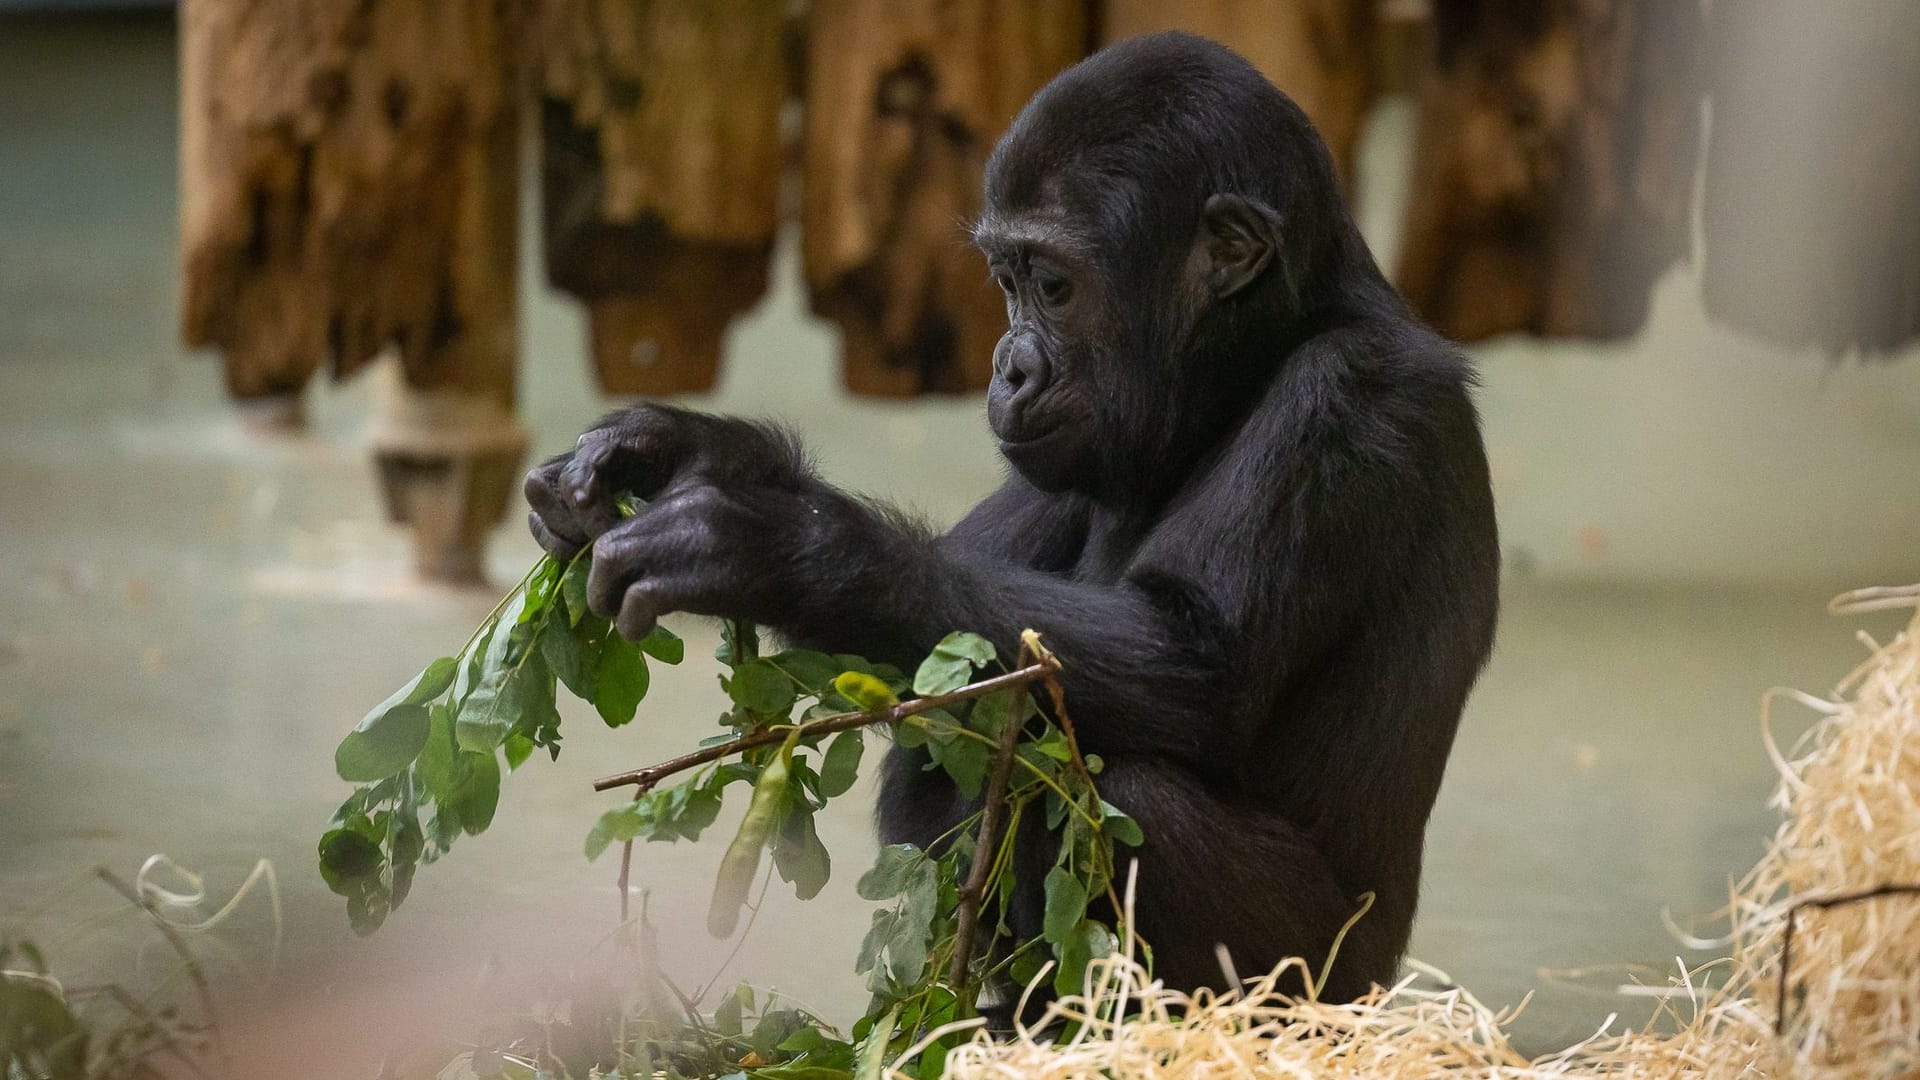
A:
[1165,223]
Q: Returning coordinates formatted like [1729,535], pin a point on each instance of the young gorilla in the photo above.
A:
[1249,510]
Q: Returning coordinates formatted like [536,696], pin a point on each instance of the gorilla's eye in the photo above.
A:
[1053,288]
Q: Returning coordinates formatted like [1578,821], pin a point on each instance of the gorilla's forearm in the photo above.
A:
[1136,679]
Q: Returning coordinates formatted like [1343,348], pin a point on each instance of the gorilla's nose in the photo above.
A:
[1026,372]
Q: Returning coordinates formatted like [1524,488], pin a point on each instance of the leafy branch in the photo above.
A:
[646,778]
[794,737]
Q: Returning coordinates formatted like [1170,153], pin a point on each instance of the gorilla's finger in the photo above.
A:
[614,567]
[552,511]
[590,485]
[640,611]
[551,542]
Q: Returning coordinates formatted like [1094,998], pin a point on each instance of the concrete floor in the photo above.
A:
[197,613]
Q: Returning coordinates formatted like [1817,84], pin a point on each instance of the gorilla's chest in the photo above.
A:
[1109,550]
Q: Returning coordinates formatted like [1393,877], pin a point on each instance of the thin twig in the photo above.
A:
[651,775]
[202,988]
[626,864]
[1823,903]
[985,851]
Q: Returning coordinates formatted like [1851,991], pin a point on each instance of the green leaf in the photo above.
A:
[573,588]
[519,698]
[389,738]
[572,653]
[440,766]
[800,856]
[1088,942]
[965,760]
[879,932]
[621,678]
[1066,905]
[663,645]
[726,1018]
[347,855]
[813,670]
[405,844]
[1118,827]
[840,767]
[760,687]
[891,872]
[366,912]
[873,1052]
[539,589]
[382,745]
[1026,968]
[951,664]
[517,749]
[866,692]
[907,949]
[478,794]
[616,826]
[991,714]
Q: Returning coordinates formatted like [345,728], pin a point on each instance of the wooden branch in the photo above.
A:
[1824,903]
[651,775]
[967,919]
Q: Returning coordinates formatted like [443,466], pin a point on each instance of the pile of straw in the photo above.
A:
[1829,888]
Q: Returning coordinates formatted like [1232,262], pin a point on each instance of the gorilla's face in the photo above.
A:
[1046,367]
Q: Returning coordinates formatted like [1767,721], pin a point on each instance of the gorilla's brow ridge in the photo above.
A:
[1028,230]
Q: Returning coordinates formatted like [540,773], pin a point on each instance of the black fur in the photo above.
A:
[1250,512]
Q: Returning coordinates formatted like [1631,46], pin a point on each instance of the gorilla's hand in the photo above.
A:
[737,550]
[641,451]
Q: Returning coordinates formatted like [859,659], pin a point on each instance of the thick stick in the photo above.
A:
[968,916]
[651,775]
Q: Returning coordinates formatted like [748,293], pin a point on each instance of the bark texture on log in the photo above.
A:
[349,183]
[350,186]
[1553,165]
[1321,52]
[661,164]
[904,101]
[1811,208]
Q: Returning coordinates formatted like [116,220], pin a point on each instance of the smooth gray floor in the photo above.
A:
[194,614]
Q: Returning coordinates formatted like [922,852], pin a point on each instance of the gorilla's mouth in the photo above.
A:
[1028,442]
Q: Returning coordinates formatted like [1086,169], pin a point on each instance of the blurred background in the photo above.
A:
[292,292]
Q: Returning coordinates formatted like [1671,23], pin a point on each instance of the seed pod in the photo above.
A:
[742,860]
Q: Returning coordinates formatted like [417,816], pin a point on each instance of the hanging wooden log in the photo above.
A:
[660,171]
[1811,209]
[1553,165]
[904,100]
[1321,52]
[350,188]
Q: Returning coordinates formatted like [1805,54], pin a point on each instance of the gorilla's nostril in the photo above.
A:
[1015,376]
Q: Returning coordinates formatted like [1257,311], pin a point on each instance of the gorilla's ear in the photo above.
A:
[1237,240]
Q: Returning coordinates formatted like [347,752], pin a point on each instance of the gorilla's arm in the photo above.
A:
[738,524]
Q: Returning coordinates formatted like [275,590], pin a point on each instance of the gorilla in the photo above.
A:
[1248,506]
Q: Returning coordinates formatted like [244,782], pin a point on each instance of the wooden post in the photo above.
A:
[350,188]
[904,100]
[660,166]
[1321,52]
[1553,165]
